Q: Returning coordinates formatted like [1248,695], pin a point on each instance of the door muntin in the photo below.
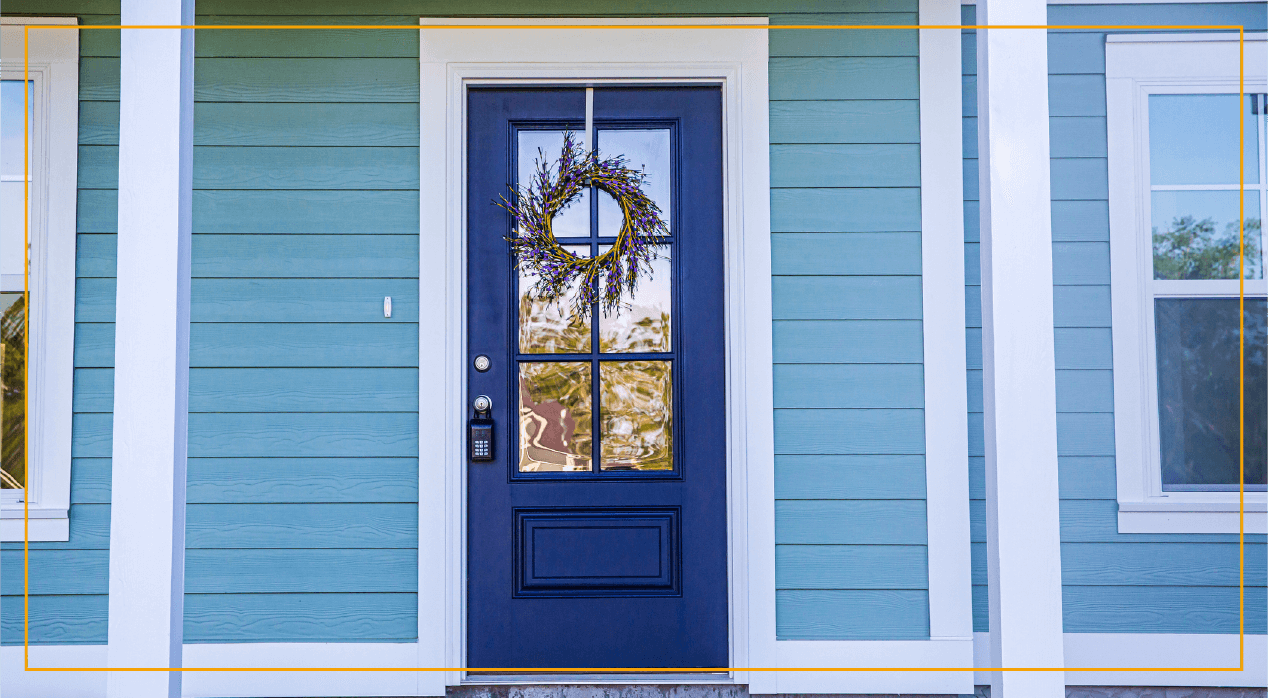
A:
[595,395]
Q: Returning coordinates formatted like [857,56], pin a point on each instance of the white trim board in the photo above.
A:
[1086,649]
[1140,2]
[1166,38]
[16,683]
[1133,70]
[54,68]
[1151,650]
[945,355]
[737,61]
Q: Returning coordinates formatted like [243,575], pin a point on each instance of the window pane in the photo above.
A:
[11,188]
[545,146]
[646,150]
[643,323]
[1197,340]
[555,414]
[11,125]
[637,415]
[1195,235]
[1193,139]
[12,397]
[551,328]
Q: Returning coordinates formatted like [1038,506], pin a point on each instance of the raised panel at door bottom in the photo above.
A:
[597,552]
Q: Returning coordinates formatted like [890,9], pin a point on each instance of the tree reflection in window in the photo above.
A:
[13,372]
[1190,249]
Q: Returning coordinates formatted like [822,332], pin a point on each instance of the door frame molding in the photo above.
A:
[495,51]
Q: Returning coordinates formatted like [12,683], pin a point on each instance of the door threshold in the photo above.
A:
[476,678]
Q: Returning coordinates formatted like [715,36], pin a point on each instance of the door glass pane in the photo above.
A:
[12,397]
[551,328]
[1197,340]
[644,149]
[555,416]
[545,146]
[643,323]
[636,417]
[1195,235]
[1193,139]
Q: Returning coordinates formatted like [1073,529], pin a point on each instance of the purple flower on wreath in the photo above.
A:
[602,280]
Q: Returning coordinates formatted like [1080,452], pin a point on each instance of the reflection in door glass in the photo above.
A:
[545,146]
[636,415]
[555,416]
[644,149]
[551,328]
[643,322]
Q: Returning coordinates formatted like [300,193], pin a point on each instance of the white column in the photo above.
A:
[1019,380]
[151,384]
[942,277]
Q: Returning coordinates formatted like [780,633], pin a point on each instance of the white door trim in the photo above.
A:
[453,59]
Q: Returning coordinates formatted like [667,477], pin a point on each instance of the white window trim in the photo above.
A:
[1155,656]
[736,59]
[1137,66]
[54,67]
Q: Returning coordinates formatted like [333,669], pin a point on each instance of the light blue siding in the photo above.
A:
[303,428]
[849,387]
[1113,582]
[69,581]
[860,614]
[303,400]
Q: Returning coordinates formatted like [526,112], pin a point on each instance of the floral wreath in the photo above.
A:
[554,188]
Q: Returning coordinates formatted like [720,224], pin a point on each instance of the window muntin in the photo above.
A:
[1194,190]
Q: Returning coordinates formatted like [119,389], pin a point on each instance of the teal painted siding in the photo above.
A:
[1112,582]
[303,427]
[849,380]
[69,581]
[303,399]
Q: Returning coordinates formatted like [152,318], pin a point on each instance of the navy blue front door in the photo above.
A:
[597,535]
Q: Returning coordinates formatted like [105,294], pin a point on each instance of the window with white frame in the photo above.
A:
[1187,165]
[38,162]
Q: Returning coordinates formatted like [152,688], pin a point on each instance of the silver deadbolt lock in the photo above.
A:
[482,363]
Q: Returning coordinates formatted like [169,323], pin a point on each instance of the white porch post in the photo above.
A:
[147,515]
[1019,377]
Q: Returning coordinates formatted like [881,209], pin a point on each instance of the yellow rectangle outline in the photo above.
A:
[1241,512]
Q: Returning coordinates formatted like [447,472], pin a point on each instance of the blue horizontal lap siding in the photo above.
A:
[1160,583]
[303,143]
[851,534]
[69,581]
[303,428]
